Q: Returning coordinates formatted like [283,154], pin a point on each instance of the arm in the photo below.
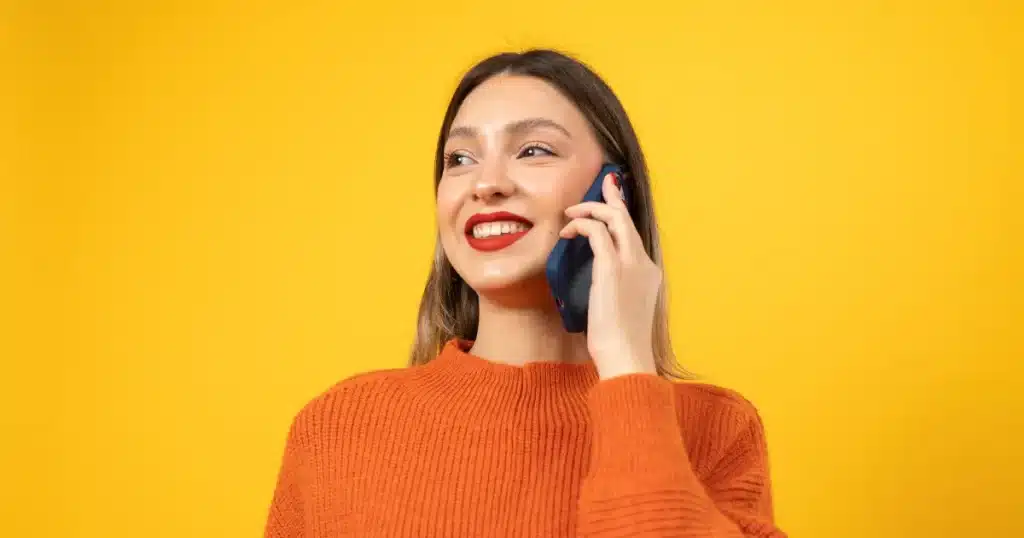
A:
[286,518]
[641,482]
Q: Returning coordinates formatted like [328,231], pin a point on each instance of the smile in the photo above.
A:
[494,231]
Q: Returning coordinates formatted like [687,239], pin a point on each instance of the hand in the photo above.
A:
[624,287]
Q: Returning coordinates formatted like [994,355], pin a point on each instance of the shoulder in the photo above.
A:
[718,411]
[352,397]
[716,397]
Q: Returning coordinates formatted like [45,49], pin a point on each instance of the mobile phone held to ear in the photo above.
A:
[570,264]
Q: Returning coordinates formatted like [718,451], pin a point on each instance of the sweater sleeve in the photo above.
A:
[286,518]
[641,483]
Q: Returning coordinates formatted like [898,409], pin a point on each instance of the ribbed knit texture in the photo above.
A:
[466,447]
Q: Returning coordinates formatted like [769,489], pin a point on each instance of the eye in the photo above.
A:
[453,159]
[536,151]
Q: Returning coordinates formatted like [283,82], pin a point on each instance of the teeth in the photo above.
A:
[490,229]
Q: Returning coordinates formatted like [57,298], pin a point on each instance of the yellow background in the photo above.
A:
[212,211]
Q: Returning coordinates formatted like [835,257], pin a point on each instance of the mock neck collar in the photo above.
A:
[456,358]
[507,388]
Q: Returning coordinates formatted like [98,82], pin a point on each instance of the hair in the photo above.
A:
[449,307]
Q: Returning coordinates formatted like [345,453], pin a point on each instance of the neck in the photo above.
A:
[517,332]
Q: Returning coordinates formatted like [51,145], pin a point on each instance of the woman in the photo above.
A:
[504,424]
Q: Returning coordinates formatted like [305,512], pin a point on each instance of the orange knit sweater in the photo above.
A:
[466,447]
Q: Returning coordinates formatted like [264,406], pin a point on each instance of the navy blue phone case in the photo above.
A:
[570,264]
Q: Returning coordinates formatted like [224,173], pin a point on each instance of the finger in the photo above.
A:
[616,219]
[612,189]
[596,233]
[619,223]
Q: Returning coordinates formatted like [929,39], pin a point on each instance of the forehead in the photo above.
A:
[507,98]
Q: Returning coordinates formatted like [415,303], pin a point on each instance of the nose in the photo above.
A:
[493,183]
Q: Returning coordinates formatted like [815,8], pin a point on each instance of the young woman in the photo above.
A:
[504,424]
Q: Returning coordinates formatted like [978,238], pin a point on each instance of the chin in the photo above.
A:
[513,274]
[522,281]
[484,279]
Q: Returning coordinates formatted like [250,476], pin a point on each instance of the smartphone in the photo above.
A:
[570,264]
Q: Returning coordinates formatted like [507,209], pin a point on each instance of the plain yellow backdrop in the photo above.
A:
[212,211]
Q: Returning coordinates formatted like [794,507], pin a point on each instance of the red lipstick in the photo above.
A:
[497,241]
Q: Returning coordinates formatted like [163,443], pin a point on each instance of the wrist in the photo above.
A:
[629,365]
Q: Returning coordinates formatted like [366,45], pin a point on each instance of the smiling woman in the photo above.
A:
[504,423]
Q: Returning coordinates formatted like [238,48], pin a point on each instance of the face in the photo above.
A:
[517,155]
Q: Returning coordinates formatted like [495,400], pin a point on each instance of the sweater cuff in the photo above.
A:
[636,430]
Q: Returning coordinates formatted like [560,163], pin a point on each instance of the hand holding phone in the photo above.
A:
[570,265]
[618,311]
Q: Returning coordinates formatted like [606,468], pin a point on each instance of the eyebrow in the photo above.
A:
[514,128]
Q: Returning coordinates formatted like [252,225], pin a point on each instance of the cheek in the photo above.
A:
[567,189]
[447,212]
[447,206]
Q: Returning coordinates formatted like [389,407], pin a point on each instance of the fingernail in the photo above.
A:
[615,178]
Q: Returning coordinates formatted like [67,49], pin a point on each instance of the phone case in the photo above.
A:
[570,264]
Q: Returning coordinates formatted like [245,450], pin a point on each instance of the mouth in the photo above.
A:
[494,231]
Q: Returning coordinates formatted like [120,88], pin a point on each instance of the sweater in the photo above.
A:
[463,446]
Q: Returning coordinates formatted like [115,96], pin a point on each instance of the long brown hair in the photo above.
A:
[449,307]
